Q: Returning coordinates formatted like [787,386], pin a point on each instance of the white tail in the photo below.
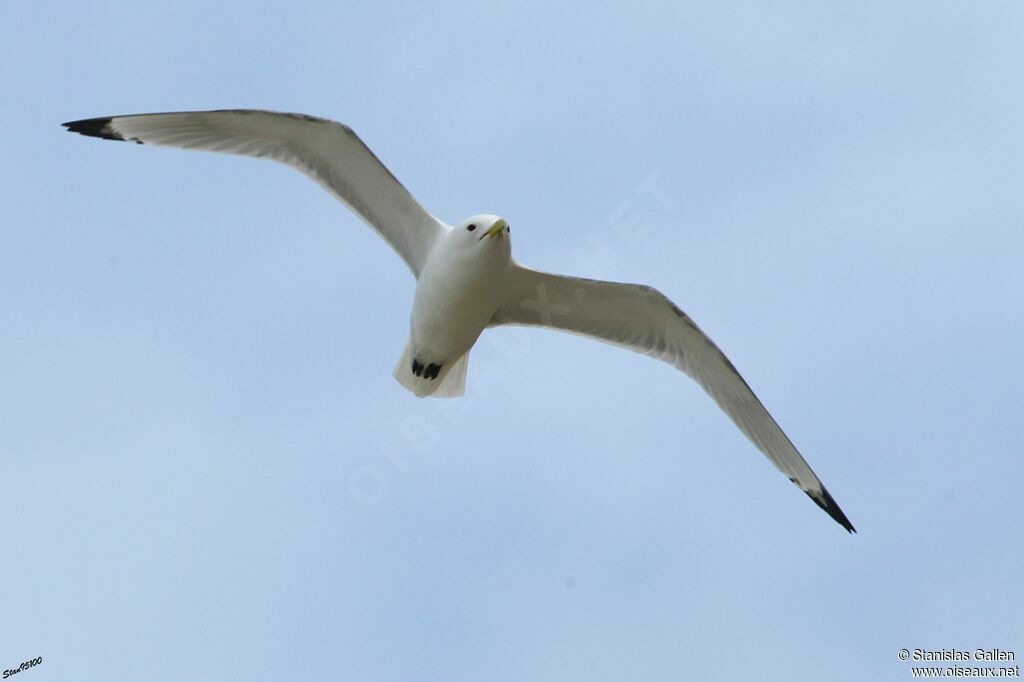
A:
[450,381]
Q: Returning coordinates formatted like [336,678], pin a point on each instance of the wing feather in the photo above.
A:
[644,320]
[327,151]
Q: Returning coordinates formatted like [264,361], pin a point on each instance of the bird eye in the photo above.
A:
[508,228]
[471,228]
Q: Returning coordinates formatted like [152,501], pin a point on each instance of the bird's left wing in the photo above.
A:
[327,151]
[642,319]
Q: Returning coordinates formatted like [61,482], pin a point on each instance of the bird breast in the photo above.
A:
[456,296]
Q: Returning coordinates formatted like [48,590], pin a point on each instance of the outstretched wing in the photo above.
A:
[642,319]
[327,151]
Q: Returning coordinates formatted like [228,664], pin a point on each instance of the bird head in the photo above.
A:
[483,234]
[485,226]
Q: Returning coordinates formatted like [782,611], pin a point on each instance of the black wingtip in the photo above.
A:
[94,127]
[825,501]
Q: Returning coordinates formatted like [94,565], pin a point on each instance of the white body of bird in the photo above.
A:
[463,282]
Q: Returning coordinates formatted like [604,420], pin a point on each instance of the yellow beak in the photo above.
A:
[496,228]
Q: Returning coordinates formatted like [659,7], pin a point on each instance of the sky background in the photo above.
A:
[208,471]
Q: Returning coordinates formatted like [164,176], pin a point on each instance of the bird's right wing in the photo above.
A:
[642,319]
[327,151]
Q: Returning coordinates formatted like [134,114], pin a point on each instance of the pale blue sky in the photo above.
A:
[209,473]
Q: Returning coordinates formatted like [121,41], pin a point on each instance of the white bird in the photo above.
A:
[466,277]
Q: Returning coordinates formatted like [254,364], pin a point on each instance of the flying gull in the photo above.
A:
[466,278]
